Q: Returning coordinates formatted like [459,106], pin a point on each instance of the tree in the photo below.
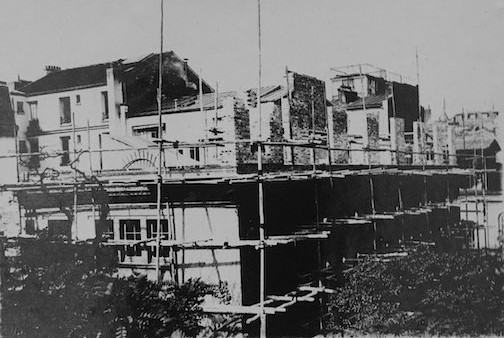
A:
[146,309]
[426,292]
[57,289]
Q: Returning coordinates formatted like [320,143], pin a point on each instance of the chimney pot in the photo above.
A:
[52,69]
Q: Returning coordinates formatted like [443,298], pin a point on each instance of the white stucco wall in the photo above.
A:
[189,127]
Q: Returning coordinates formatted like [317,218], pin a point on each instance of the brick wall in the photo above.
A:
[373,137]
[275,153]
[398,141]
[301,115]
[242,132]
[340,136]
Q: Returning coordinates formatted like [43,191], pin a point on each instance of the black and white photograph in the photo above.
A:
[251,168]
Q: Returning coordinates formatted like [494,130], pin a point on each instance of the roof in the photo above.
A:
[188,103]
[7,120]
[128,70]
[66,79]
[369,101]
[475,140]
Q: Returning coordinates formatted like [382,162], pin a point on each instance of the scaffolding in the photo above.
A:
[318,231]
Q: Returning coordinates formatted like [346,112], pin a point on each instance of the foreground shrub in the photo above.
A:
[426,292]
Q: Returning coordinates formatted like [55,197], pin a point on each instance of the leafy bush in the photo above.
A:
[147,309]
[58,289]
[425,292]
[55,288]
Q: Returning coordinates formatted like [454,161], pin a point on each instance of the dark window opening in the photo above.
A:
[65,113]
[20,108]
[22,146]
[34,159]
[105,107]
[104,229]
[59,228]
[65,156]
[30,227]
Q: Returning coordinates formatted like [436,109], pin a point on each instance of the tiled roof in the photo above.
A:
[96,75]
[188,103]
[475,140]
[368,101]
[86,76]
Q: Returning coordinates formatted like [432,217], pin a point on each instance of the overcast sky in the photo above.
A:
[460,42]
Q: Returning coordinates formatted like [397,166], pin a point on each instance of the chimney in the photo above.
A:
[51,69]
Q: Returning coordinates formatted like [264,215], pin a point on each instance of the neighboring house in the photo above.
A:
[473,119]
[381,114]
[86,108]
[9,211]
[471,146]
[440,142]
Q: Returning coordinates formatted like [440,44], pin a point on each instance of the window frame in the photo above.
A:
[105,109]
[65,117]
[151,225]
[135,232]
[20,104]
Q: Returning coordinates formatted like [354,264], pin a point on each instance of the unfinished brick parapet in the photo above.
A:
[307,91]
[397,140]
[275,154]
[340,137]
[373,137]
[242,132]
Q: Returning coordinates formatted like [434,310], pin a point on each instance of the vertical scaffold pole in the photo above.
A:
[75,177]
[262,258]
[401,208]
[328,140]
[160,153]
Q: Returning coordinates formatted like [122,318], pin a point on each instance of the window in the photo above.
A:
[77,100]
[65,114]
[59,228]
[34,159]
[32,107]
[30,227]
[194,153]
[65,157]
[152,228]
[430,154]
[104,104]
[104,229]
[20,107]
[129,229]
[79,139]
[446,155]
[22,146]
[372,87]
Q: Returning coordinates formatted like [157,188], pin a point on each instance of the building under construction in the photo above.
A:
[272,191]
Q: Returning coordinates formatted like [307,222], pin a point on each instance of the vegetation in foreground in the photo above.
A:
[427,292]
[53,288]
